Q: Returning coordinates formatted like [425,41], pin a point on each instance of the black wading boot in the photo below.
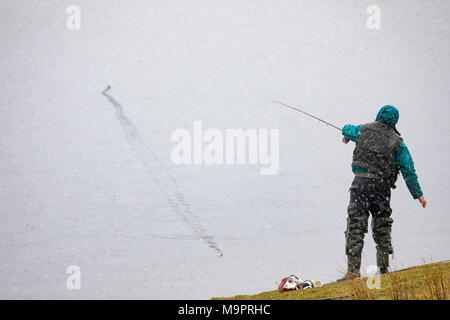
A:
[383,262]
[353,266]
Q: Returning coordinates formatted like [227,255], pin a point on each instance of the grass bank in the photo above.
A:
[428,281]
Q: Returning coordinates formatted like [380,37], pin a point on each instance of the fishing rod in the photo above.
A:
[345,140]
[308,114]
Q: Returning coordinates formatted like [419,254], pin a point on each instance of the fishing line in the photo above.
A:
[160,175]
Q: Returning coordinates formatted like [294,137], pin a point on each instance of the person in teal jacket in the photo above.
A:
[379,155]
[403,159]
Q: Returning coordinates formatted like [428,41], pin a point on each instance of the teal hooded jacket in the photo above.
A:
[390,115]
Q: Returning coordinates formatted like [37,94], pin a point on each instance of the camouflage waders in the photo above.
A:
[368,196]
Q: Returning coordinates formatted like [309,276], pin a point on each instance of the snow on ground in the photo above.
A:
[75,192]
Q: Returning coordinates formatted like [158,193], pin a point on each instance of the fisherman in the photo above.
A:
[379,155]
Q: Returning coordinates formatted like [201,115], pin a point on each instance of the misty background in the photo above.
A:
[75,192]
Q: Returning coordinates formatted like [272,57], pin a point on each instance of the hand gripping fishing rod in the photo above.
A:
[345,140]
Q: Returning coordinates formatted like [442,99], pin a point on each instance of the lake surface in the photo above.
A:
[79,189]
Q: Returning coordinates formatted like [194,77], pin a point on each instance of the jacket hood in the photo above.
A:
[389,115]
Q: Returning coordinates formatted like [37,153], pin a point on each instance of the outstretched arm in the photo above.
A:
[406,165]
[351,132]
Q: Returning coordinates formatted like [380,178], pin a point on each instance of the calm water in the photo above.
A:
[76,191]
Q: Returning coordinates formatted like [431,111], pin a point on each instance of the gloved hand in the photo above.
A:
[423,202]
